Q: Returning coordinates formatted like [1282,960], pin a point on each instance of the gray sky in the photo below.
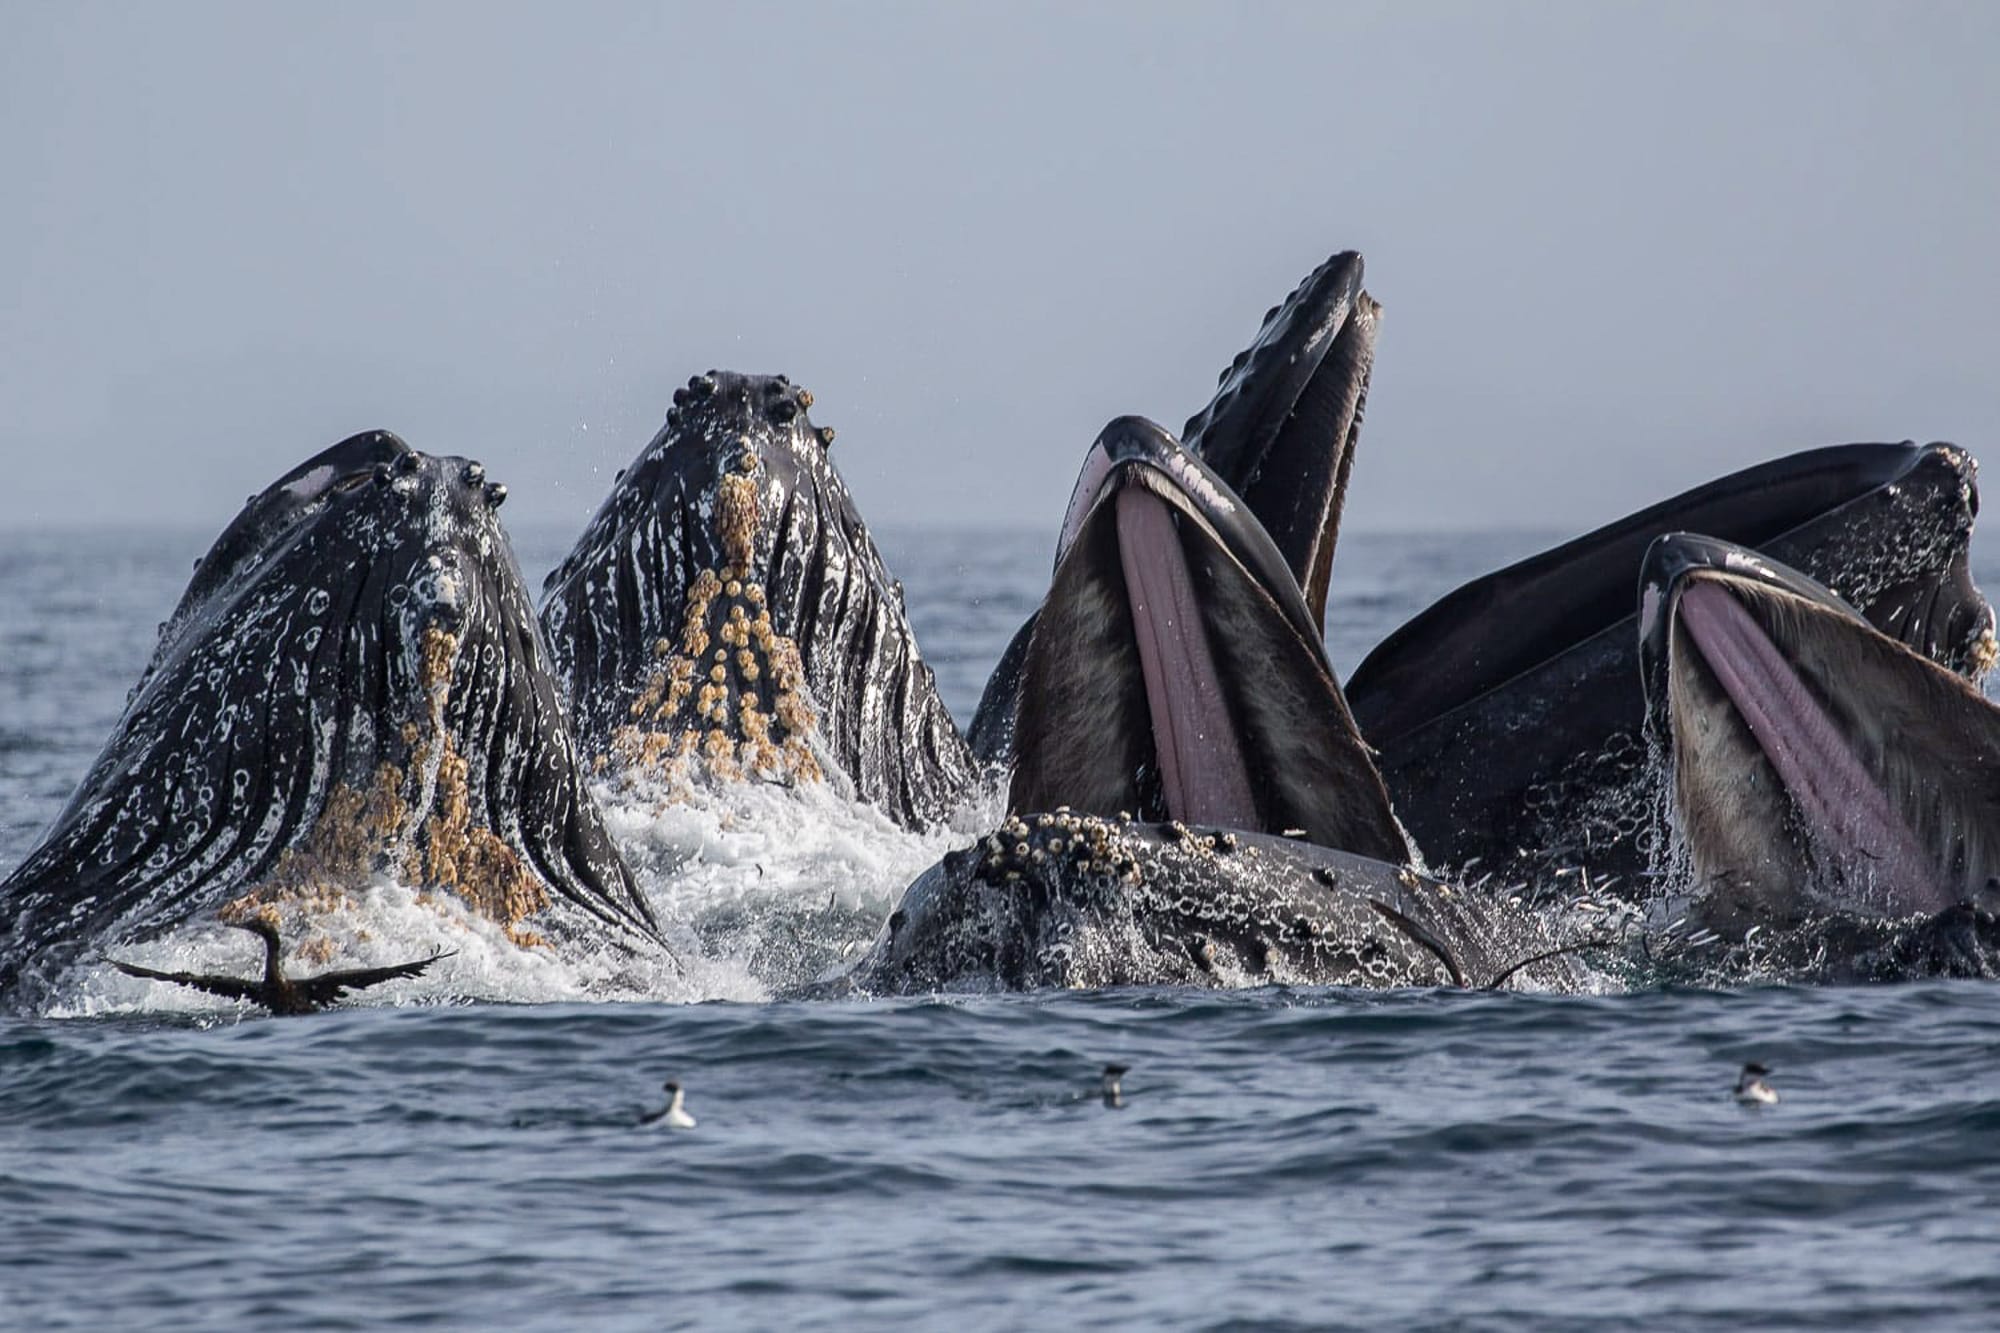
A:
[1621,248]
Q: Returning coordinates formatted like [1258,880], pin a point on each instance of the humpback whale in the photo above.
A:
[352,684]
[1067,900]
[1508,716]
[725,616]
[1837,794]
[1176,712]
[1280,431]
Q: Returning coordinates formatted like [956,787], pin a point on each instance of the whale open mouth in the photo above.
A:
[1279,435]
[1818,764]
[1887,524]
[1174,672]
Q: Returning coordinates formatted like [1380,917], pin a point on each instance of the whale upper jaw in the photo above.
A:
[1286,417]
[726,616]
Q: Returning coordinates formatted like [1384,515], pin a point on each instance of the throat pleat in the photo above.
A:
[1847,811]
[1202,771]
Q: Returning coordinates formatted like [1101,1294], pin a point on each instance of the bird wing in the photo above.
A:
[235,988]
[330,986]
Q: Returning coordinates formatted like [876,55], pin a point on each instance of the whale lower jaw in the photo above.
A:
[1810,768]
[1175,671]
[1164,680]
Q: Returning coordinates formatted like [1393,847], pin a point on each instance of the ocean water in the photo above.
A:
[448,1154]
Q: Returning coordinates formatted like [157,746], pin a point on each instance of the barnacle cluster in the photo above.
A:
[457,853]
[1982,655]
[366,828]
[728,699]
[339,854]
[1044,845]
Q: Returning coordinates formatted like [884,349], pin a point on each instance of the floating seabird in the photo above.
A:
[1114,1096]
[1752,1090]
[274,990]
[673,1112]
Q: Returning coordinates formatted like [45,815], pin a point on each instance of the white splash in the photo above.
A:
[750,884]
[756,883]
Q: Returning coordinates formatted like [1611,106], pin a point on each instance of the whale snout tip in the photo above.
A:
[1130,427]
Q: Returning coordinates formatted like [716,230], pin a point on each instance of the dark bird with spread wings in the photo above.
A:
[276,991]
